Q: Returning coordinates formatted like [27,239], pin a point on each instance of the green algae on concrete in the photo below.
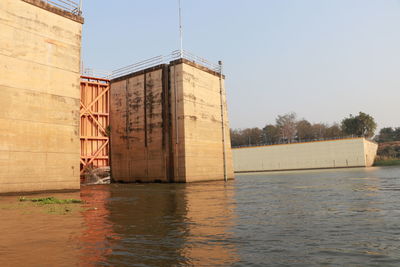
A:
[51,200]
[52,205]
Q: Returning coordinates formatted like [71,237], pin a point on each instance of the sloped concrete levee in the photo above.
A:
[167,125]
[342,153]
[39,97]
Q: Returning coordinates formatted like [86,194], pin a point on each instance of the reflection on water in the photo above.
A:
[97,231]
[124,225]
[310,218]
[169,225]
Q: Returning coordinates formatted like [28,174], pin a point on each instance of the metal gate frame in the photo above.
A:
[94,122]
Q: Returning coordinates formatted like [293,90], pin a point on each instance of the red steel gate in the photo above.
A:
[94,122]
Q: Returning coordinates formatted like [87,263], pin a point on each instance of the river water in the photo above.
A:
[310,218]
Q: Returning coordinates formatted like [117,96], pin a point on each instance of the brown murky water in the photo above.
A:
[311,218]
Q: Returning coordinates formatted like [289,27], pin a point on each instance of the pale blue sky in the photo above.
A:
[322,59]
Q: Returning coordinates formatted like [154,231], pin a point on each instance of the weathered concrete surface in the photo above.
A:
[370,151]
[201,136]
[166,125]
[137,148]
[344,153]
[39,98]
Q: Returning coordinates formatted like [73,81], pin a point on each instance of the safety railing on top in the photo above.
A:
[96,73]
[152,62]
[198,60]
[72,6]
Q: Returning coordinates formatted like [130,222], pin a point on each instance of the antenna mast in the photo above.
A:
[180,29]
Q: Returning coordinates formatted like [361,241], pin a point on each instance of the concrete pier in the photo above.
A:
[168,125]
[39,97]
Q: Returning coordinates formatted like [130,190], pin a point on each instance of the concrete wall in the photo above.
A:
[344,153]
[166,125]
[202,133]
[138,151]
[370,151]
[39,97]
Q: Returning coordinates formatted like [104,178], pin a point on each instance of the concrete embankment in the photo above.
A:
[342,153]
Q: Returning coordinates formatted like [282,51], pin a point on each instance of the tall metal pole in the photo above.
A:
[180,29]
[221,93]
[80,6]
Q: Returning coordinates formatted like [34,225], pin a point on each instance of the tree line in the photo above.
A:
[388,134]
[389,143]
[288,129]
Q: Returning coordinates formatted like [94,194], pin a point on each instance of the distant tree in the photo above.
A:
[396,134]
[271,134]
[389,152]
[333,131]
[350,126]
[253,136]
[248,136]
[304,130]
[360,125]
[319,130]
[386,134]
[367,124]
[287,128]
[287,125]
[237,138]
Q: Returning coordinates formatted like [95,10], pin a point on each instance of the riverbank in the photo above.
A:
[387,162]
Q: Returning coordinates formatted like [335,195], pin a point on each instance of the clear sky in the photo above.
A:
[323,59]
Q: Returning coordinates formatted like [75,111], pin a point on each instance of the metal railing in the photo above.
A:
[102,74]
[141,65]
[198,60]
[72,6]
[152,62]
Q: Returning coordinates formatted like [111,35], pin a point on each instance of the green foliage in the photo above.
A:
[387,162]
[51,200]
[360,125]
[389,151]
[388,134]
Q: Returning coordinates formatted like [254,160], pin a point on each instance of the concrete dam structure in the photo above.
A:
[341,153]
[169,123]
[39,96]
